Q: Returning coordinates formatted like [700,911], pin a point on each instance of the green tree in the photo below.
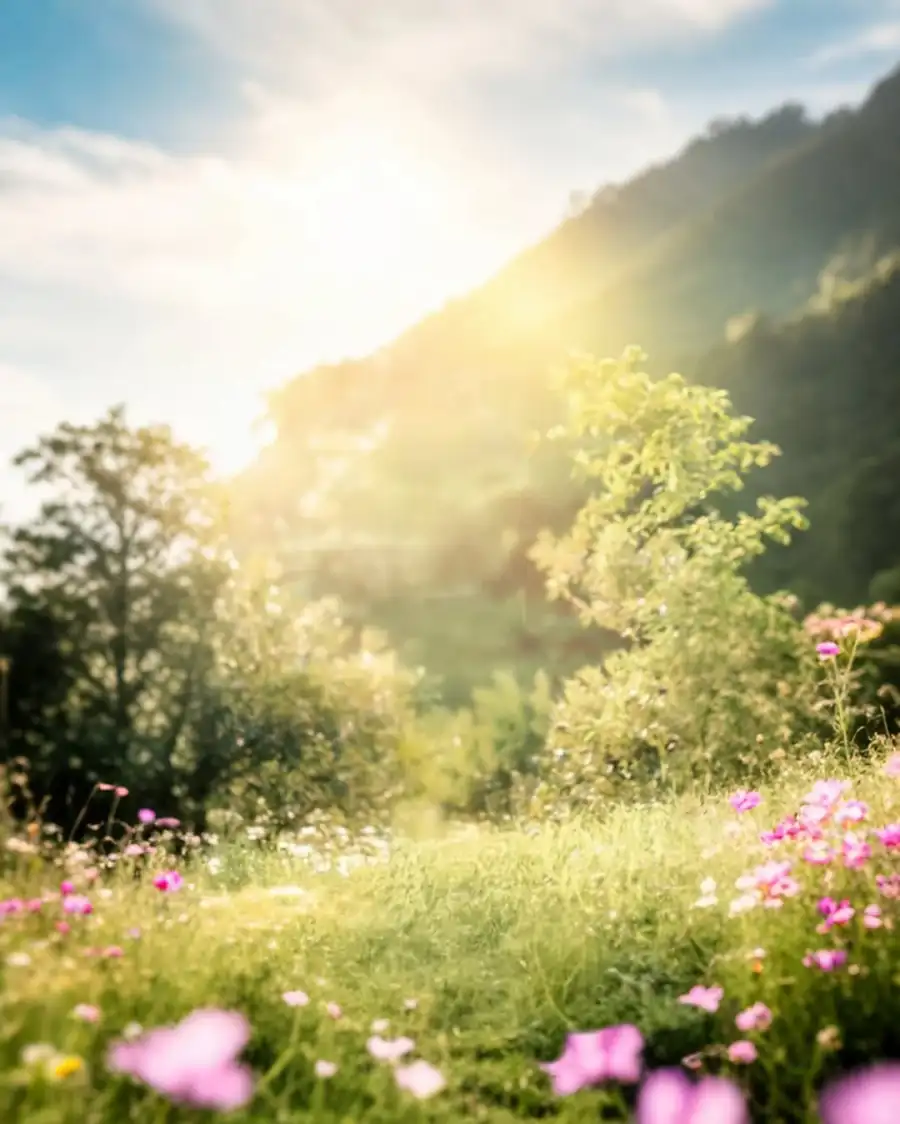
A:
[710,678]
[112,595]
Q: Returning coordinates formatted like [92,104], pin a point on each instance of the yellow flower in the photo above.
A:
[66,1066]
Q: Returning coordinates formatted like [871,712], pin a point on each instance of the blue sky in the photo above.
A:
[199,198]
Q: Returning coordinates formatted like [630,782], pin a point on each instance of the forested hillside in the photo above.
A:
[423,516]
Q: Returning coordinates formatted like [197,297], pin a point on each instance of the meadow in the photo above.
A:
[380,979]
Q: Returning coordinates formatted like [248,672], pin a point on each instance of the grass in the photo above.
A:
[505,940]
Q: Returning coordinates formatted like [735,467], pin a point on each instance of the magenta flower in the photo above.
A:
[826,959]
[77,903]
[743,801]
[146,815]
[168,882]
[670,1097]
[888,885]
[889,836]
[840,913]
[757,1017]
[706,998]
[856,851]
[193,1063]
[593,1056]
[827,650]
[868,1096]
[66,888]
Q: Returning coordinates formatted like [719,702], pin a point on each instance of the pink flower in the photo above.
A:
[325,1069]
[11,905]
[295,998]
[86,1013]
[889,836]
[826,793]
[888,884]
[66,888]
[742,1052]
[389,1049]
[851,811]
[841,913]
[818,853]
[706,998]
[872,918]
[770,883]
[168,882]
[744,801]
[593,1056]
[146,815]
[113,952]
[77,903]
[193,1063]
[121,792]
[856,851]
[827,650]
[168,821]
[134,851]
[868,1096]
[757,1017]
[420,1079]
[63,927]
[670,1097]
[892,766]
[826,959]
[333,1010]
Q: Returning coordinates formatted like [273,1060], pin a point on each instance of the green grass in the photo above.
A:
[506,940]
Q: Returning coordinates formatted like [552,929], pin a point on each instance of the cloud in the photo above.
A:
[881,38]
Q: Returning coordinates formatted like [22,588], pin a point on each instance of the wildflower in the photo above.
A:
[742,1052]
[113,952]
[333,1010]
[829,1038]
[770,883]
[827,650]
[295,998]
[65,1066]
[63,927]
[856,851]
[11,905]
[889,836]
[86,1013]
[192,1063]
[818,853]
[66,888]
[146,815]
[134,851]
[420,1079]
[868,1096]
[168,882]
[851,811]
[757,1017]
[77,904]
[835,913]
[325,1069]
[826,959]
[168,822]
[744,801]
[389,1050]
[670,1097]
[892,766]
[826,793]
[872,918]
[706,998]
[888,884]
[593,1056]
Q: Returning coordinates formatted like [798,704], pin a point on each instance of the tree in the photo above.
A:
[112,592]
[711,677]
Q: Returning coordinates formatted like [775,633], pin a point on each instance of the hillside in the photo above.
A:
[443,506]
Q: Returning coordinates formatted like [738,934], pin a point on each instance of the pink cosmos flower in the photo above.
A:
[770,883]
[146,815]
[742,1052]
[868,1096]
[851,811]
[744,801]
[11,905]
[840,913]
[168,821]
[872,918]
[66,888]
[888,884]
[193,1063]
[420,1079]
[856,851]
[63,927]
[827,650]
[706,998]
[670,1097]
[826,959]
[889,836]
[77,903]
[593,1056]
[389,1049]
[826,793]
[168,882]
[757,1017]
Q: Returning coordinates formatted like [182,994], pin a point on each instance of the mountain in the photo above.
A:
[427,491]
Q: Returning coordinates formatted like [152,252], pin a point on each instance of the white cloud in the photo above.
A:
[881,38]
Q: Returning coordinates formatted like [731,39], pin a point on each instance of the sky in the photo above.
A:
[199,199]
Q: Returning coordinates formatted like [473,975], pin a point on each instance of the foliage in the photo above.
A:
[712,679]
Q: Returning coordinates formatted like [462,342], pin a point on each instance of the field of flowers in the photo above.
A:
[696,962]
